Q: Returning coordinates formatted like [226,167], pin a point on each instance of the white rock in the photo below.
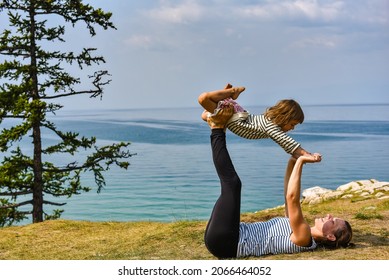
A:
[315,200]
[365,194]
[362,188]
[379,194]
[332,195]
[315,192]
[357,185]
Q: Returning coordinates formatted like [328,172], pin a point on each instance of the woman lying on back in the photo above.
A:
[227,237]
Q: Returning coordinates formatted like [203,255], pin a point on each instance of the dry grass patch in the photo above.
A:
[82,240]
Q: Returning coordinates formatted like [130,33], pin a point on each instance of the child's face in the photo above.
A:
[289,126]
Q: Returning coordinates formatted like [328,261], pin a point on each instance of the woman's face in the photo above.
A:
[329,224]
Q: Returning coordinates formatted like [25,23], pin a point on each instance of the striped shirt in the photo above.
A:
[260,127]
[270,237]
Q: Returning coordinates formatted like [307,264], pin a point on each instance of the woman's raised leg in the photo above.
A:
[222,232]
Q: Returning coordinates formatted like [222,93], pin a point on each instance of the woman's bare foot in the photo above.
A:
[204,115]
[220,119]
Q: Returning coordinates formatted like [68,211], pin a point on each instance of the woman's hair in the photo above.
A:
[343,237]
[285,111]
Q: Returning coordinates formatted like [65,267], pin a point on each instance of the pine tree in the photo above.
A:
[33,76]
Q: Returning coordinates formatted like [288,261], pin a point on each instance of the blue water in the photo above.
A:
[172,176]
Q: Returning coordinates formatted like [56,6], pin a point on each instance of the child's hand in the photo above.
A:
[317,157]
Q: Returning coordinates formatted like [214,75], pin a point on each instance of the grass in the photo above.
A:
[84,240]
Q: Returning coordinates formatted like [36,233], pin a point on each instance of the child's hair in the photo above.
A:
[285,111]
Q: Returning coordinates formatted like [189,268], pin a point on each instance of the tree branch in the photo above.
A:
[15,193]
[93,92]
[16,204]
[53,203]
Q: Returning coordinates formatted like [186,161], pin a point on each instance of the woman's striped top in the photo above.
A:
[270,237]
[260,127]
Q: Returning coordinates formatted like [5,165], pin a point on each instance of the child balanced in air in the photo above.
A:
[273,123]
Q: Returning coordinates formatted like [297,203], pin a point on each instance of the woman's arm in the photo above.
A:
[301,232]
[288,172]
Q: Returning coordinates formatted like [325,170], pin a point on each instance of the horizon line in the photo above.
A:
[255,105]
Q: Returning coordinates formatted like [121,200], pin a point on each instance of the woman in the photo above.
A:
[227,237]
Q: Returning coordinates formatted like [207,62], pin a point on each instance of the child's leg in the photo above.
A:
[209,100]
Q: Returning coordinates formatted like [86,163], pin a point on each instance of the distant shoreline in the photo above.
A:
[197,107]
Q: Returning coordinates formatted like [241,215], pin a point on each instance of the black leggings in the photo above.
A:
[222,232]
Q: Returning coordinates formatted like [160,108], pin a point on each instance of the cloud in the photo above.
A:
[298,11]
[140,41]
[150,43]
[306,9]
[328,42]
[180,25]
[185,12]
[374,12]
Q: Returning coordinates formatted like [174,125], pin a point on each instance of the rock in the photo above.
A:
[315,200]
[364,194]
[379,194]
[356,185]
[362,188]
[332,195]
[314,195]
[378,186]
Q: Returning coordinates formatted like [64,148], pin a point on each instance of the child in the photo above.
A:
[274,123]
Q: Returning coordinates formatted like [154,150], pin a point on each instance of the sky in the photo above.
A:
[164,53]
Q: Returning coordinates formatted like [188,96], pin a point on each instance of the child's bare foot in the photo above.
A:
[236,91]
[219,120]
